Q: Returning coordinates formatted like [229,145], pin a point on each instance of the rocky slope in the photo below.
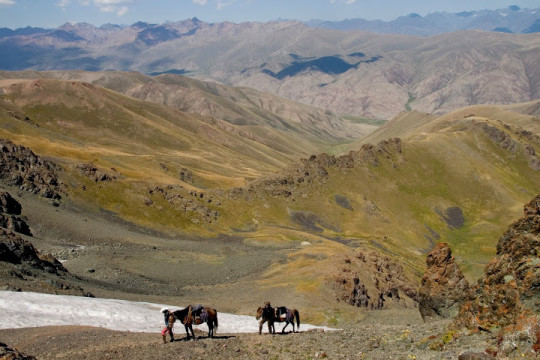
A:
[506,299]
[22,266]
[508,291]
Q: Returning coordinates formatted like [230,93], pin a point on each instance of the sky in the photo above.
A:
[28,309]
[53,13]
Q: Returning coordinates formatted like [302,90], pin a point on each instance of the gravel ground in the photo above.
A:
[364,342]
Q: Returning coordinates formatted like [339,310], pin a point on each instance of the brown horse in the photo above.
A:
[279,314]
[189,317]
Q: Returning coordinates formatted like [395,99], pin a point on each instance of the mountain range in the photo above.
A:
[347,72]
[234,164]
[512,19]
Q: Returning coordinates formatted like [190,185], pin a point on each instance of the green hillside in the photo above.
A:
[419,179]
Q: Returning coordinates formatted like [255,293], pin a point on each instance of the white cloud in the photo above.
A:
[62,3]
[7,2]
[115,6]
[349,2]
[221,4]
[200,2]
[122,10]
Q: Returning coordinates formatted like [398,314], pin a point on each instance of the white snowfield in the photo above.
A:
[27,309]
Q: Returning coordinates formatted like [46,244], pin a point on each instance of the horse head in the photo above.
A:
[259,313]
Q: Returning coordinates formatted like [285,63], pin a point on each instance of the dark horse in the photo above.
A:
[279,314]
[189,316]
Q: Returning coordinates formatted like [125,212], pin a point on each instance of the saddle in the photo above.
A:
[199,314]
[284,314]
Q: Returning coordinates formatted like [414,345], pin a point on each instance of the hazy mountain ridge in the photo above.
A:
[347,72]
[513,19]
[244,111]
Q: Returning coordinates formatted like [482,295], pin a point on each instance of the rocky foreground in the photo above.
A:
[373,341]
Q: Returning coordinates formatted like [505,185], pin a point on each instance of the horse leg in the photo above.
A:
[170,333]
[187,331]
[192,333]
[210,330]
[283,330]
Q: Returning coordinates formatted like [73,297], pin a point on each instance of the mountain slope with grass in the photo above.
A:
[159,203]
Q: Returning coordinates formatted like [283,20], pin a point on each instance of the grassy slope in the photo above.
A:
[451,162]
[447,161]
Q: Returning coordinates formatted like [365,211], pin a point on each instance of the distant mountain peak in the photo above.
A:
[512,18]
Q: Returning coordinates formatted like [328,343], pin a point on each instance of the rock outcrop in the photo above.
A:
[9,353]
[507,297]
[373,281]
[298,180]
[15,250]
[20,167]
[510,286]
[9,209]
[444,288]
[92,172]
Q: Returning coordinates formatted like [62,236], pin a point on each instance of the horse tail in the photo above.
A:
[215,320]
[297,316]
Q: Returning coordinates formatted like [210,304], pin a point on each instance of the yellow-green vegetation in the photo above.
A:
[183,173]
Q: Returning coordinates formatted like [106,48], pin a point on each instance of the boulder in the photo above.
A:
[9,205]
[9,208]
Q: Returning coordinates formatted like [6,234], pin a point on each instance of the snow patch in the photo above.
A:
[27,309]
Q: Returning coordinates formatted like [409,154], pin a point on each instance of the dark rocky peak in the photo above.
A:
[64,36]
[533,28]
[82,31]
[141,25]
[5,32]
[110,27]
[75,27]
[444,288]
[153,35]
